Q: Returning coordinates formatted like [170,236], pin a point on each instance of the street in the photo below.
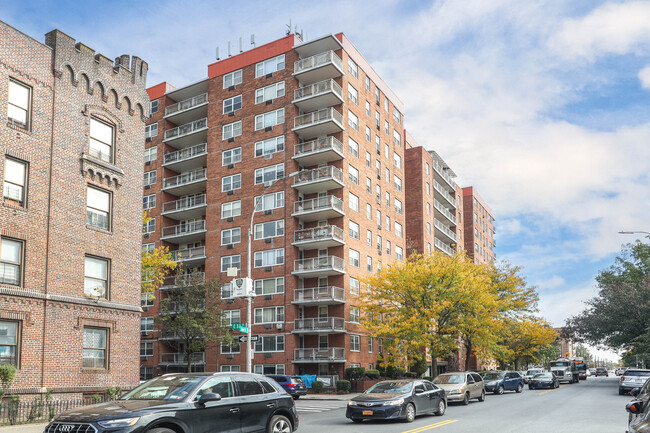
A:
[592,406]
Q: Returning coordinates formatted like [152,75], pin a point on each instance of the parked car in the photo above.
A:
[530,373]
[397,399]
[619,371]
[292,384]
[592,372]
[544,380]
[189,402]
[500,381]
[602,371]
[632,378]
[641,395]
[461,386]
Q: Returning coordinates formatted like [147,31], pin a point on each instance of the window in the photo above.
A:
[233,261]
[353,95]
[397,161]
[232,78]
[231,236]
[353,174]
[96,277]
[369,238]
[269,119]
[15,181]
[98,208]
[230,348]
[378,168]
[353,200]
[398,206]
[355,343]
[353,121]
[231,130]
[146,324]
[355,315]
[101,140]
[269,146]
[19,104]
[370,340]
[429,247]
[399,253]
[397,138]
[353,147]
[428,188]
[428,208]
[231,316]
[397,116]
[231,368]
[386,127]
[231,209]
[269,93]
[269,66]
[377,97]
[146,349]
[387,223]
[386,107]
[398,183]
[354,230]
[150,155]
[94,349]
[269,286]
[231,105]
[153,106]
[368,135]
[378,219]
[270,343]
[151,131]
[368,84]
[354,258]
[352,68]
[231,183]
[354,286]
[269,315]
[369,263]
[388,247]
[269,368]
[9,342]
[150,177]
[398,230]
[428,169]
[231,156]
[269,201]
[368,211]
[368,160]
[269,258]
[269,174]
[367,108]
[147,300]
[379,244]
[269,229]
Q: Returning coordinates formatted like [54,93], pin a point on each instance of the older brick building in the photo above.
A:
[479,227]
[71,134]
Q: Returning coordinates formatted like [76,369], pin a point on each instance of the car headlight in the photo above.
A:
[456,391]
[116,423]
[394,402]
[351,403]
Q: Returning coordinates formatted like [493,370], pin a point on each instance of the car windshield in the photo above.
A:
[493,376]
[543,376]
[531,372]
[390,387]
[450,378]
[167,388]
[559,364]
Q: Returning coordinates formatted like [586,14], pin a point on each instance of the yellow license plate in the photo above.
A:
[366,412]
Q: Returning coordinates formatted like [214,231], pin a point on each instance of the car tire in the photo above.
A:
[410,413]
[296,397]
[356,420]
[279,424]
[520,388]
[161,430]
[531,387]
[466,399]
[621,391]
[499,390]
[442,407]
[482,396]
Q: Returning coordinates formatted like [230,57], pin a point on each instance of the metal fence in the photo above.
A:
[41,410]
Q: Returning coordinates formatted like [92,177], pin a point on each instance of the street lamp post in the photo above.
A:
[635,232]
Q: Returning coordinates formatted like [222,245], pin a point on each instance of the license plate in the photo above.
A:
[366,412]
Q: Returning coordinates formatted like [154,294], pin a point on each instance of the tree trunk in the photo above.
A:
[434,364]
[468,353]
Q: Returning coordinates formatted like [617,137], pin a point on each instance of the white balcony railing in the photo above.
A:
[317,89]
[185,203]
[319,145]
[444,247]
[319,174]
[317,117]
[318,233]
[186,129]
[185,178]
[318,355]
[319,264]
[186,254]
[443,228]
[324,324]
[184,229]
[443,192]
[316,61]
[318,204]
[317,294]
[187,104]
[185,154]
[440,170]
[181,359]
[443,210]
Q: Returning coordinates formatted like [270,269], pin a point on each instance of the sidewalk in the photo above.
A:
[24,428]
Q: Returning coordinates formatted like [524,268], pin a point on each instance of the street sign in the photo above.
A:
[238,326]
[244,339]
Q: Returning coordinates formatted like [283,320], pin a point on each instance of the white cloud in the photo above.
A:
[644,77]
[551,283]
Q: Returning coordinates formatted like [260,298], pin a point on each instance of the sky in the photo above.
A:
[543,107]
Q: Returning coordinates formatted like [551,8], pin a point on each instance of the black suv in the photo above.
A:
[192,402]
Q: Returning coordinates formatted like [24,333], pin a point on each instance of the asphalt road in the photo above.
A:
[592,406]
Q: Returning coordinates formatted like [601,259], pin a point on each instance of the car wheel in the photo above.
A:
[466,399]
[621,392]
[499,390]
[441,408]
[410,412]
[279,424]
[520,388]
[482,397]
[356,420]
[160,430]
[296,397]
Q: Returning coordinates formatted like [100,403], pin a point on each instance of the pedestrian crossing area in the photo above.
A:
[315,406]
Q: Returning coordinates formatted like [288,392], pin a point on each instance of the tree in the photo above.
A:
[156,264]
[192,314]
[524,340]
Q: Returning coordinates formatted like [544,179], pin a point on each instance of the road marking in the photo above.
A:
[431,426]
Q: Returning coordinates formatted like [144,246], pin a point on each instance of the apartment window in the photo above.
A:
[398,230]
[269,66]
[353,95]
[233,261]
[352,68]
[428,208]
[150,177]
[368,135]
[353,147]
[475,217]
[377,144]
[268,368]
[269,258]
[232,78]
[379,244]
[150,155]
[10,342]
[151,131]
[369,238]
[353,201]
[355,286]
[269,229]
[387,172]
[429,247]
[147,300]
[399,253]
[397,138]
[267,120]
[19,104]
[231,209]
[231,316]
[377,95]
[388,247]
[269,315]
[269,93]
[146,349]
[146,324]
[231,130]
[354,258]
[98,208]
[270,343]
[353,174]
[153,106]
[397,116]
[355,315]
[269,201]
[387,223]
[149,247]
[94,350]
[15,181]
[386,127]
[368,160]
[101,140]
[353,120]
[398,183]
[269,286]
[231,236]
[368,211]
[269,174]
[367,84]
[355,343]
[369,263]
[428,188]
[378,219]
[387,196]
[230,348]
[231,183]
[428,169]
[386,107]
[269,146]
[354,230]
[11,261]
[397,161]
[367,108]
[96,279]
[231,105]
[231,156]
[370,340]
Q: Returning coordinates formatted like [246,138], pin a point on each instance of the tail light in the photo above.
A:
[622,378]
[291,385]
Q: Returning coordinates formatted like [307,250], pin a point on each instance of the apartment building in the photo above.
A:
[305,140]
[479,227]
[71,134]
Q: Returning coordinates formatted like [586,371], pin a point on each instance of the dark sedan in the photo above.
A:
[397,399]
[192,402]
[544,380]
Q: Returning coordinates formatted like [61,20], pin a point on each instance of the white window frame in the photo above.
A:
[269,258]
[150,177]
[269,119]
[261,289]
[16,105]
[261,202]
[399,231]
[234,180]
[150,154]
[353,121]
[399,253]
[102,150]
[355,286]
[276,312]
[149,201]
[278,347]
[233,261]
[153,106]
[355,315]
[232,78]
[231,130]
[277,227]
[353,202]
[354,230]
[353,175]
[228,209]
[269,173]
[269,66]
[355,258]
[355,343]
[231,156]
[398,183]
[353,94]
[232,104]
[269,146]
[353,68]
[269,93]
[231,236]
[151,131]
[353,147]
[15,180]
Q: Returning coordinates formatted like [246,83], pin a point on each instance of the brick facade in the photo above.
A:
[479,227]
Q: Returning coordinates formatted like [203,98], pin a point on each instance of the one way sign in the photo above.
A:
[244,339]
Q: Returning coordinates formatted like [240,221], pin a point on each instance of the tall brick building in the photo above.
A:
[71,134]
[479,227]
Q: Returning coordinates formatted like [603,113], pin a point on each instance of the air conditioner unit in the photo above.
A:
[231,192]
[269,183]
[146,235]
[269,102]
[147,163]
[268,128]
[269,75]
[230,219]
[230,301]
[268,355]
[144,332]
[268,297]
[268,240]
[231,114]
[268,156]
[231,165]
[231,140]
[229,247]
[229,356]
[268,212]
[267,326]
[148,139]
[278,325]
[231,88]
[268,269]
[147,187]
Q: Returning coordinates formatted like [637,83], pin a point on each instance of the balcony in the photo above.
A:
[319,67]
[191,182]
[187,159]
[444,247]
[197,358]
[321,150]
[318,237]
[319,296]
[319,45]
[187,134]
[318,123]
[186,208]
[332,354]
[319,325]
[442,175]
[319,267]
[189,257]
[183,233]
[318,180]
[447,234]
[175,281]
[320,208]
[443,192]
[318,95]
[442,211]
[187,110]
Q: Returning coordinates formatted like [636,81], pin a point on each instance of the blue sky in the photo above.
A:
[543,106]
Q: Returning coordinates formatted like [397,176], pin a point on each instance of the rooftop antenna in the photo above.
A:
[288,28]
[241,46]
[229,55]
[253,40]
[218,54]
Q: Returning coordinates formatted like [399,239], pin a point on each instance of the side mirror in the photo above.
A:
[635,392]
[208,396]
[634,407]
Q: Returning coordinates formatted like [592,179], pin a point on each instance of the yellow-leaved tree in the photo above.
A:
[524,339]
[156,264]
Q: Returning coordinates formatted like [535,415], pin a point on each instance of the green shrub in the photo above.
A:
[96,398]
[372,374]
[7,375]
[355,373]
[317,386]
[113,392]
[343,385]
[400,372]
[410,375]
[12,409]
